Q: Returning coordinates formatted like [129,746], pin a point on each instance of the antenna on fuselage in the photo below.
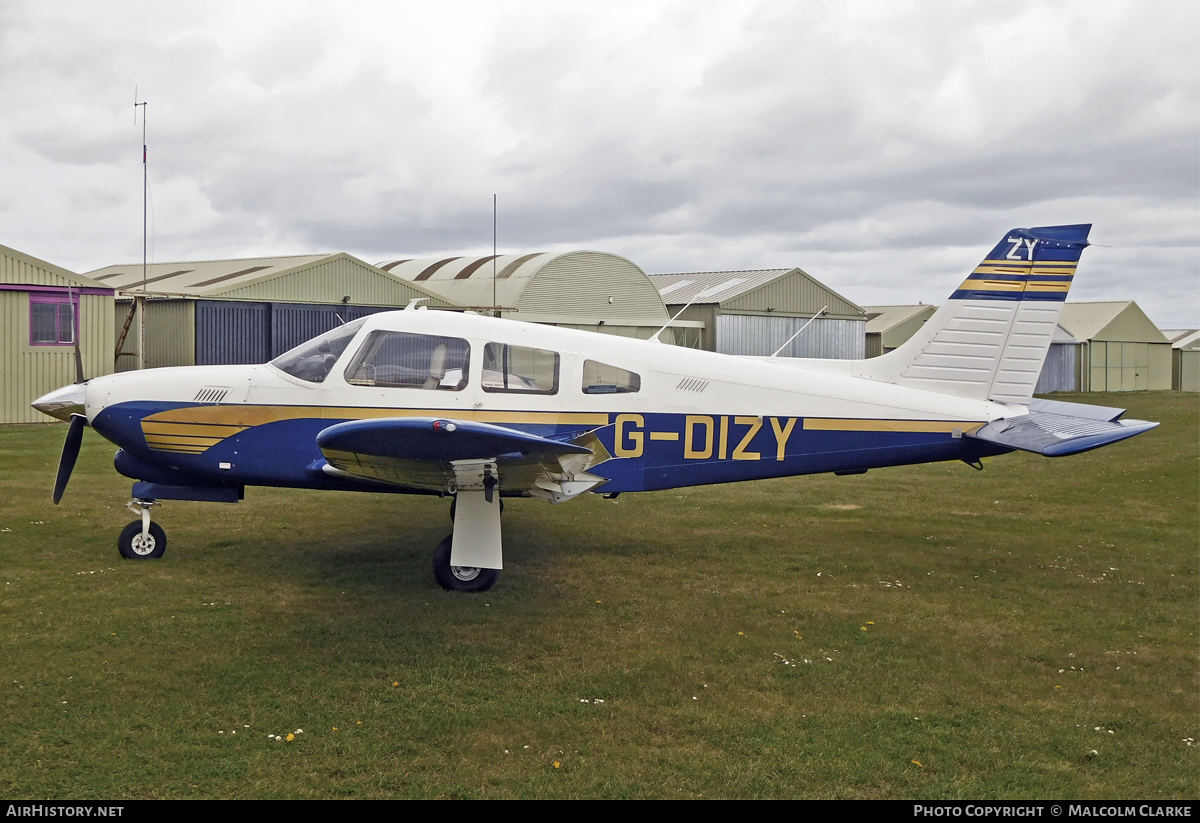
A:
[654,337]
[797,334]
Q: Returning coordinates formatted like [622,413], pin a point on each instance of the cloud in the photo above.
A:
[883,148]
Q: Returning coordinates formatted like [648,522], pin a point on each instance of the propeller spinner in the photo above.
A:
[66,404]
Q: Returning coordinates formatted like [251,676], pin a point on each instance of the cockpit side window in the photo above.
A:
[413,361]
[519,369]
[312,361]
[601,378]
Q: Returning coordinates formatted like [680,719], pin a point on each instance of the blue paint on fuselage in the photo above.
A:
[285,453]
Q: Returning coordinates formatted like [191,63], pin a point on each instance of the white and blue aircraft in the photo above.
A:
[437,402]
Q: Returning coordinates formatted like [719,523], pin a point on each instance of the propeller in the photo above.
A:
[77,396]
[70,453]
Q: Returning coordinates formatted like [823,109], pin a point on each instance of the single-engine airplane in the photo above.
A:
[437,402]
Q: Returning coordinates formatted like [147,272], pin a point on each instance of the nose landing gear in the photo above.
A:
[142,539]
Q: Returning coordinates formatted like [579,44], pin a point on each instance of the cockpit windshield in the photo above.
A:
[312,361]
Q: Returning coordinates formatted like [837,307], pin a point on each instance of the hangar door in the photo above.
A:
[829,338]
[229,332]
[1121,366]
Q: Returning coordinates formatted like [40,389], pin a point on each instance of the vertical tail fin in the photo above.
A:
[989,340]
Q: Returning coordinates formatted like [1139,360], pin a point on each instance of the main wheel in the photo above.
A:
[133,546]
[460,578]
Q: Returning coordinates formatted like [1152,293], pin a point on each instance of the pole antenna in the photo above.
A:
[145,187]
[496,310]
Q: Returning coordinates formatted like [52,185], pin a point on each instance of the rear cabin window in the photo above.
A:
[519,369]
[312,361]
[410,361]
[601,378]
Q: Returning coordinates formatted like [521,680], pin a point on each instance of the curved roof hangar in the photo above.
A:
[561,287]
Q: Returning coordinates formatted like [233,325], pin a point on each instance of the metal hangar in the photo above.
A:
[755,312]
[47,312]
[588,290]
[246,310]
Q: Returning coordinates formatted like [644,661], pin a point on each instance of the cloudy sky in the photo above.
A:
[881,146]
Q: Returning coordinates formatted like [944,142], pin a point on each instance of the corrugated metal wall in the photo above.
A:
[27,372]
[170,333]
[230,332]
[874,344]
[1060,369]
[327,283]
[126,358]
[293,324]
[796,293]
[15,268]
[234,332]
[1187,370]
[761,336]
[567,286]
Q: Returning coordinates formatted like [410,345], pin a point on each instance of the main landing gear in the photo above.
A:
[142,539]
[470,559]
[460,578]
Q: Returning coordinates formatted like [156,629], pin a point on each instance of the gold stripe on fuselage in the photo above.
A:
[182,440]
[247,416]
[193,429]
[220,432]
[842,424]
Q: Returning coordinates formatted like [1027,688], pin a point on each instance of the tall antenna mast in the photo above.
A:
[495,308]
[141,301]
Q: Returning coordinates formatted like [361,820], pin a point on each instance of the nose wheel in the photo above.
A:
[142,539]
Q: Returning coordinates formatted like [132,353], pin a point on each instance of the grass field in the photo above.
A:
[1029,631]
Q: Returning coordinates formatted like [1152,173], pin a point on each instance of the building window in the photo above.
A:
[52,319]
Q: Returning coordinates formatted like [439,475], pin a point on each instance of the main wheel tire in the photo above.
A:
[133,546]
[460,578]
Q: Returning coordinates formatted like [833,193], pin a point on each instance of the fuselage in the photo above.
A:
[667,416]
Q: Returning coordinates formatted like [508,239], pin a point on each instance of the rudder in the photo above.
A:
[990,339]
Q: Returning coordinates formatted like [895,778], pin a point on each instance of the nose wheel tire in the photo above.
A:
[458,578]
[133,545]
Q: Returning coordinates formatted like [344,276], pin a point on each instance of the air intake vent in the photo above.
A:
[692,384]
[211,394]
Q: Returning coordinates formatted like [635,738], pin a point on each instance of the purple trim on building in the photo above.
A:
[55,289]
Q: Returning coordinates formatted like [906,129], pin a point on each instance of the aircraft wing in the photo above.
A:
[1053,428]
[435,453]
[421,438]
